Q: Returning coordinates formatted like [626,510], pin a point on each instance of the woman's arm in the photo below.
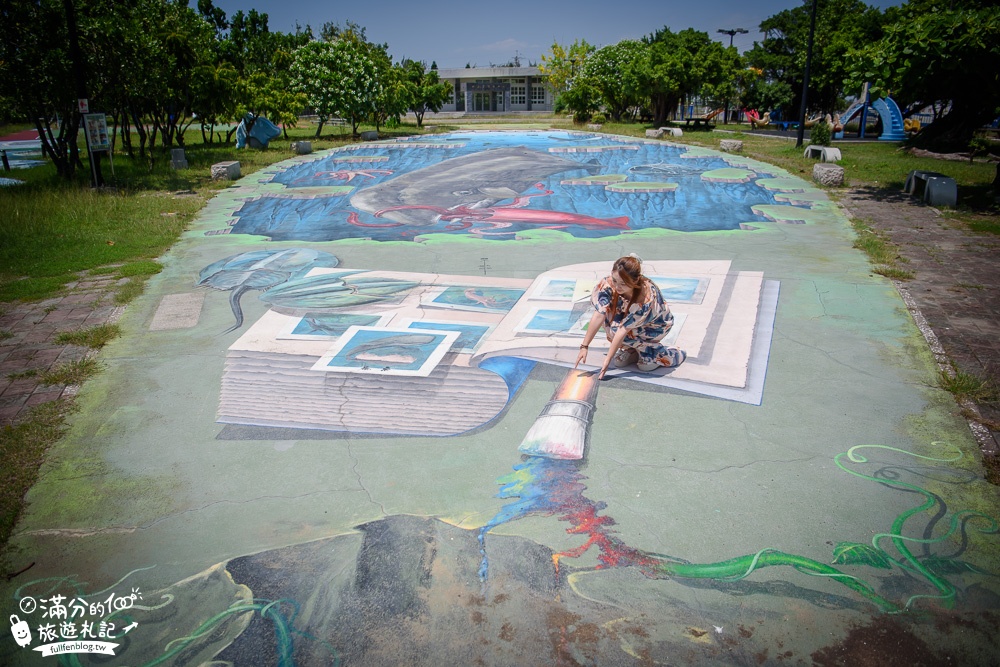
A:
[616,342]
[596,320]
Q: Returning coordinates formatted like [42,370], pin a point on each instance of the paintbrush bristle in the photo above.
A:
[560,432]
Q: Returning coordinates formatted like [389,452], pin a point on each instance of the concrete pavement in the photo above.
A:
[799,488]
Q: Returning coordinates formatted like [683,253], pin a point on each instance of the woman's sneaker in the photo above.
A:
[674,356]
[625,356]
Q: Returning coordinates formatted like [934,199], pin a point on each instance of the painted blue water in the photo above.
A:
[586,211]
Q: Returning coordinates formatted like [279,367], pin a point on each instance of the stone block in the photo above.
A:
[731,145]
[229,171]
[302,147]
[654,134]
[824,153]
[593,126]
[828,174]
[673,131]
[369,135]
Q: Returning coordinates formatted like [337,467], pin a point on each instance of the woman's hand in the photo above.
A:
[616,342]
[581,357]
[604,367]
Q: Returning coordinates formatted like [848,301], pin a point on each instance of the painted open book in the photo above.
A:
[433,354]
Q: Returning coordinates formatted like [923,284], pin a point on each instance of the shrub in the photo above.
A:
[599,118]
[820,135]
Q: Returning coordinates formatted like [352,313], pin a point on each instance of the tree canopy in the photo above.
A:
[941,54]
[781,57]
[425,90]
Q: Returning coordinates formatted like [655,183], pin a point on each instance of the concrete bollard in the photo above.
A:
[302,147]
[831,175]
[654,134]
[177,158]
[731,145]
[229,171]
[369,135]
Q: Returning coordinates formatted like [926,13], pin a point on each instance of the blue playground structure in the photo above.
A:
[888,111]
[255,131]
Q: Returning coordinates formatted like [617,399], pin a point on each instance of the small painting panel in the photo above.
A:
[476,298]
[554,289]
[549,321]
[469,333]
[389,351]
[676,289]
[329,326]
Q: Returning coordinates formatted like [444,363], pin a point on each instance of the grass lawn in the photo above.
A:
[51,231]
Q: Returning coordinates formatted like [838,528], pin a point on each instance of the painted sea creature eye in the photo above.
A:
[462,193]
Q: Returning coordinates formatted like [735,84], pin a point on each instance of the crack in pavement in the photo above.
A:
[86,532]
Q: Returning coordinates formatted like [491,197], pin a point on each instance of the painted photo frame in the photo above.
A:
[472,298]
[469,333]
[681,289]
[329,326]
[554,288]
[387,351]
[552,321]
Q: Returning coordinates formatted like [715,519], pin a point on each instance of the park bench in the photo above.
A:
[697,123]
[933,188]
[824,153]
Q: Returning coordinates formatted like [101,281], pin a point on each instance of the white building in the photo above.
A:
[496,89]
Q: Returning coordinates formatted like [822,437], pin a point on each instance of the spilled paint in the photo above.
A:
[545,487]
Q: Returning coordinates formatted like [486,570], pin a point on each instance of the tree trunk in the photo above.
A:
[952,133]
[52,147]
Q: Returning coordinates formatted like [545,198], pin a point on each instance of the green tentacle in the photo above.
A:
[738,568]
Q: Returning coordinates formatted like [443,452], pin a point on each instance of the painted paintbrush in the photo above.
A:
[560,432]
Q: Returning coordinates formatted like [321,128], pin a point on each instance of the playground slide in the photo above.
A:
[888,110]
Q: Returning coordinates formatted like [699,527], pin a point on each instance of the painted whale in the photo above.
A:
[476,181]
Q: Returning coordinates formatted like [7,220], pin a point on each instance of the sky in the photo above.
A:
[454,33]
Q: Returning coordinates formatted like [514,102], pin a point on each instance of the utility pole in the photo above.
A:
[732,32]
[805,78]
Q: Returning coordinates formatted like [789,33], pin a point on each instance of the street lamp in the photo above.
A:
[732,32]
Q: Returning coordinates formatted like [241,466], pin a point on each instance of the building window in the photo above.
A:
[537,94]
[518,95]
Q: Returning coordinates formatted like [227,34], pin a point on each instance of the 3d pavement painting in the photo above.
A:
[552,563]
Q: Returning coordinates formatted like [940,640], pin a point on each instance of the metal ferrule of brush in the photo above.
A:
[568,408]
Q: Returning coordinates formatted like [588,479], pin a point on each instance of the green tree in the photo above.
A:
[840,26]
[391,96]
[36,77]
[561,65]
[215,93]
[620,75]
[686,64]
[427,92]
[945,54]
[338,78]
[315,72]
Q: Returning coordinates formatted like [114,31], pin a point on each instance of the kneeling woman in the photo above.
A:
[635,319]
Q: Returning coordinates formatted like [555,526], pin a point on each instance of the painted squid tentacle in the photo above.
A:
[946,589]
[738,568]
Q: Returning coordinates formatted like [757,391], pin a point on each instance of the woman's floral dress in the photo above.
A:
[647,321]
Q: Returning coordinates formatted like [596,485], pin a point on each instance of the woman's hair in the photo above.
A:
[629,268]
